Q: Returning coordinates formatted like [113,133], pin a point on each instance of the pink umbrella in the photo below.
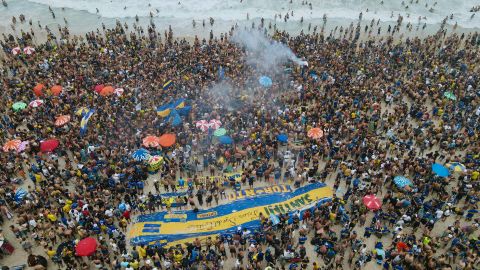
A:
[215,124]
[22,146]
[36,103]
[28,50]
[118,92]
[16,50]
[372,202]
[203,125]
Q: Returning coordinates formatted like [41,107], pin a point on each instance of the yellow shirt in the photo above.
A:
[475,175]
[142,253]
[52,217]
[51,253]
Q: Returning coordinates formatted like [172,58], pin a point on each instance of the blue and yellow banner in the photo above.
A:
[167,84]
[84,121]
[182,226]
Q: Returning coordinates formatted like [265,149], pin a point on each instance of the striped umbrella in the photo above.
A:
[36,103]
[215,124]
[151,141]
[62,120]
[11,145]
[203,125]
[28,50]
[118,92]
[372,202]
[456,167]
[315,133]
[16,50]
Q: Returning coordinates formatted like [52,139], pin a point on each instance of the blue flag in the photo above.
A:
[84,122]
[221,73]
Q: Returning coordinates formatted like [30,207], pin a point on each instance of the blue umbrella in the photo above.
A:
[283,138]
[20,195]
[141,154]
[225,139]
[440,170]
[265,81]
[402,181]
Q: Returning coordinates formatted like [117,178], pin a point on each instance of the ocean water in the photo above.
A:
[82,15]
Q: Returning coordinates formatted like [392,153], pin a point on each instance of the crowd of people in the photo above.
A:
[381,103]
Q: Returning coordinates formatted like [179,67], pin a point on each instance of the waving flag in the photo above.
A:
[167,84]
[84,122]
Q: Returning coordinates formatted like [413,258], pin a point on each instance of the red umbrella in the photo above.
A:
[86,247]
[38,89]
[167,140]
[98,88]
[372,202]
[49,145]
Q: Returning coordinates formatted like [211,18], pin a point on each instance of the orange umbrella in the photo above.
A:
[167,140]
[11,145]
[38,89]
[315,133]
[62,120]
[56,90]
[107,91]
[151,141]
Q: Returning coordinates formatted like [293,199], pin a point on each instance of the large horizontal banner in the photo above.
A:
[180,226]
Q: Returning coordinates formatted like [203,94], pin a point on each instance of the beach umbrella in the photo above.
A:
[220,132]
[62,120]
[19,195]
[372,202]
[16,50]
[450,95]
[56,90]
[38,89]
[106,91]
[265,81]
[86,247]
[22,146]
[402,181]
[118,92]
[11,145]
[49,145]
[440,170]
[28,50]
[456,167]
[167,140]
[81,111]
[283,138]
[36,103]
[202,125]
[315,133]
[225,139]
[155,162]
[98,88]
[18,106]
[151,141]
[215,124]
[141,154]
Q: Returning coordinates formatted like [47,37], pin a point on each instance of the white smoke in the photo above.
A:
[262,53]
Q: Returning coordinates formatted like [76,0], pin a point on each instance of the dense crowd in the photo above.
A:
[381,103]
